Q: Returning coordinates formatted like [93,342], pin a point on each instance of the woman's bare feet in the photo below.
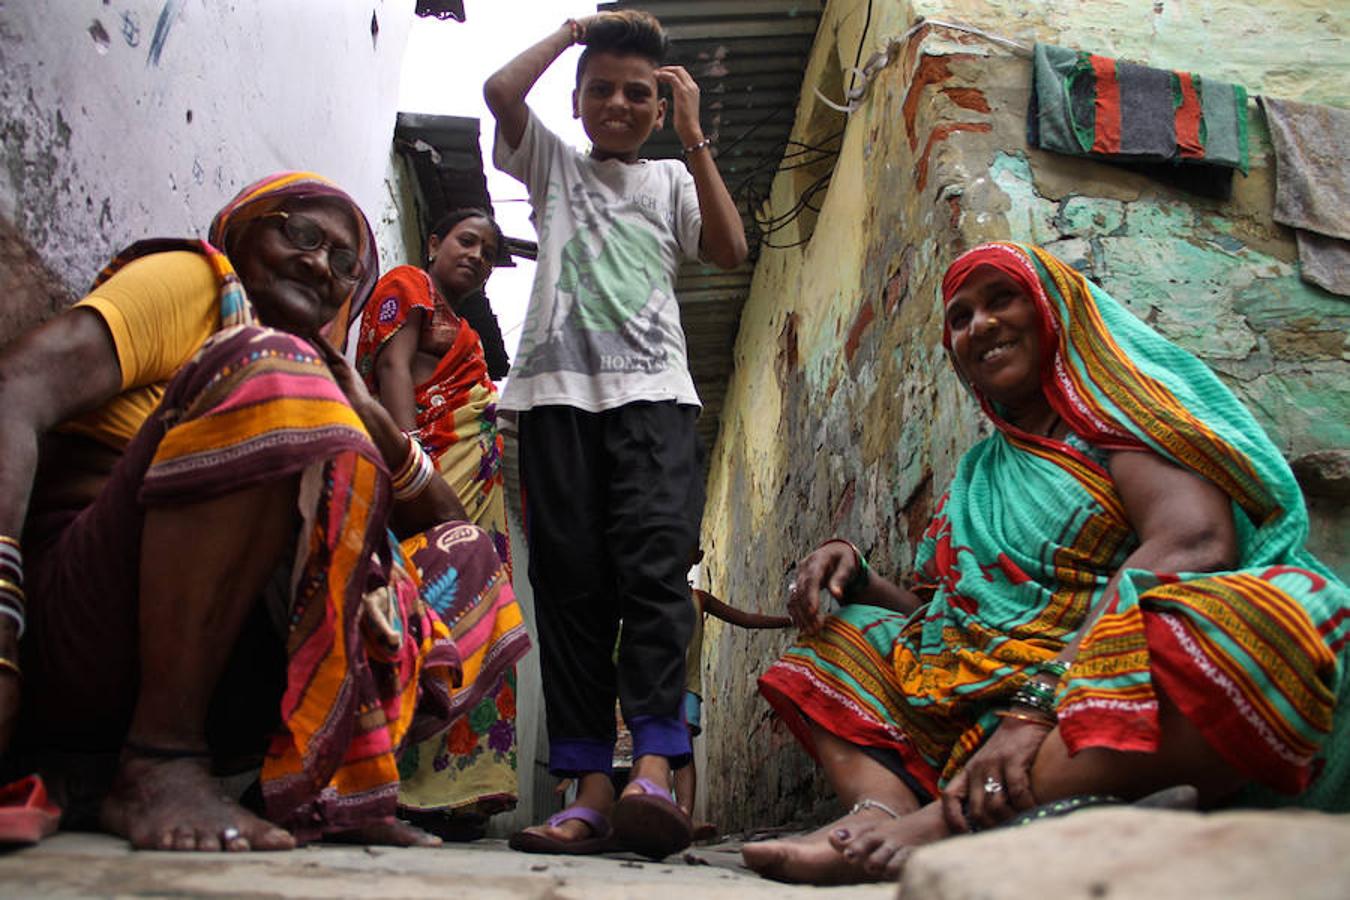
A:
[810,858]
[394,833]
[879,848]
[175,804]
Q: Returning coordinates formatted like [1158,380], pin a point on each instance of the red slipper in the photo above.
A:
[26,815]
[650,823]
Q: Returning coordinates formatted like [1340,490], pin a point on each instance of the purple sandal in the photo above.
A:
[601,838]
[650,823]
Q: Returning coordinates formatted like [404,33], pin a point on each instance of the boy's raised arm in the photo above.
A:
[506,88]
[723,239]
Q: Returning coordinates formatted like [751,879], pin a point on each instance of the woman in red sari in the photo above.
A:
[420,354]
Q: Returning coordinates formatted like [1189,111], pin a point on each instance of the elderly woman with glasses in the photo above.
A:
[196,497]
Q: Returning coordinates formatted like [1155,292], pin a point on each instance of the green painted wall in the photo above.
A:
[843,416]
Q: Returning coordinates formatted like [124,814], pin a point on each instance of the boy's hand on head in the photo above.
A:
[684,91]
[586,22]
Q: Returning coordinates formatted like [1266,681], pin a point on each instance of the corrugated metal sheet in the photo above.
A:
[447,163]
[748,57]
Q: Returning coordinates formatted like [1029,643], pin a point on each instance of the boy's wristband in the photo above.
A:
[706,142]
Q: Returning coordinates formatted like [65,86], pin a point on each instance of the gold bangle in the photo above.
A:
[1023,717]
[9,665]
[6,539]
[7,585]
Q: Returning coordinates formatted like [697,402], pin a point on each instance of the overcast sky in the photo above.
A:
[444,69]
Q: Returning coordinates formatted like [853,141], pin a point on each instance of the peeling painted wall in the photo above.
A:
[124,119]
[843,416]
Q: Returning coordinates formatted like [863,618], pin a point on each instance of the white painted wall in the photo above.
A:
[124,119]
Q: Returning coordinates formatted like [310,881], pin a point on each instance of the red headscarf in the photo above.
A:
[1012,261]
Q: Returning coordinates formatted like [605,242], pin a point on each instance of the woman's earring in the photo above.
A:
[431,258]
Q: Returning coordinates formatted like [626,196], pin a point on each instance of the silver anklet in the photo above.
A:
[868,803]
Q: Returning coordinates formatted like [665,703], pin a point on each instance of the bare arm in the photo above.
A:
[831,567]
[58,370]
[506,88]
[744,619]
[1184,523]
[438,503]
[393,372]
[723,239]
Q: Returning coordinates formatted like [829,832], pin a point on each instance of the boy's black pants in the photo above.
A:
[612,502]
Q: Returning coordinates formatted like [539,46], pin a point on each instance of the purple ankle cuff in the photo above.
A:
[654,735]
[577,756]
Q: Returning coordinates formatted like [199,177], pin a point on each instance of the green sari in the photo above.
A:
[1024,543]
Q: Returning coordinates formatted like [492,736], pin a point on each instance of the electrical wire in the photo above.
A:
[890,50]
[857,57]
[853,97]
[793,159]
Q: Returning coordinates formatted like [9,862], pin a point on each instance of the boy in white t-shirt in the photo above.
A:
[606,412]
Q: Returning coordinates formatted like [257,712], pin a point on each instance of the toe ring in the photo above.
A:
[229,835]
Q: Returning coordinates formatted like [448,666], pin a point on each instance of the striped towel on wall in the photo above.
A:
[1088,105]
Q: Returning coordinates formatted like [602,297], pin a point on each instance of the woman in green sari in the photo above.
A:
[1118,599]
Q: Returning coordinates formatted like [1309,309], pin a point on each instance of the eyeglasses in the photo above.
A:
[306,234]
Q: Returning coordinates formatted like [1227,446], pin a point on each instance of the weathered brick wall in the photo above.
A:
[843,416]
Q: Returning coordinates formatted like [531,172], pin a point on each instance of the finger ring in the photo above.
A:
[229,835]
[992,785]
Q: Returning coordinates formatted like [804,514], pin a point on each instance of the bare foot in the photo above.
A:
[810,858]
[175,804]
[394,833]
[881,847]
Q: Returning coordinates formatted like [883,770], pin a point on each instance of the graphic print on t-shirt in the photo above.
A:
[608,303]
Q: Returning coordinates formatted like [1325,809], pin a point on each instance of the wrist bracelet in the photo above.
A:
[578,30]
[1042,701]
[1024,717]
[16,615]
[1037,689]
[9,665]
[706,142]
[1055,668]
[12,589]
[415,473]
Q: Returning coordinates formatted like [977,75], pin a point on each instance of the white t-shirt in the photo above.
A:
[603,326]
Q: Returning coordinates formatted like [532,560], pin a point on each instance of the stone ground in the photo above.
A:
[91,865]
[1116,853]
